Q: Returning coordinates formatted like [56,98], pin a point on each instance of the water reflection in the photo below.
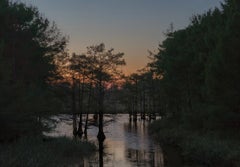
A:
[127,143]
[144,158]
[140,149]
[100,153]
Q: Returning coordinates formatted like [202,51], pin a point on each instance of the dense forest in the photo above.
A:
[191,82]
[193,79]
[29,45]
[199,90]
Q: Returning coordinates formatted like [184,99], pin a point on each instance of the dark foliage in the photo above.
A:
[29,44]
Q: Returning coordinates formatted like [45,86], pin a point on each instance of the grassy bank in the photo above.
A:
[209,148]
[39,152]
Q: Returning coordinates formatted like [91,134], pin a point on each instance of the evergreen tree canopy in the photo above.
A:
[29,43]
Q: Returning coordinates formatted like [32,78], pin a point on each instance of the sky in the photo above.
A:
[129,26]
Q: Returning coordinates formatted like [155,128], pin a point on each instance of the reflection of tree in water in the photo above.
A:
[100,151]
[100,158]
[137,147]
[137,156]
[137,152]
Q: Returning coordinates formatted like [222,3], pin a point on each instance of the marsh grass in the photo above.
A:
[39,152]
[208,148]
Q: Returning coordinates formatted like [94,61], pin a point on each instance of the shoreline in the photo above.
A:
[197,148]
[44,151]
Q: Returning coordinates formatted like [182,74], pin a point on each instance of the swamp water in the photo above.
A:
[127,143]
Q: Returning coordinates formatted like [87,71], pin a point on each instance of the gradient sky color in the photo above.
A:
[129,26]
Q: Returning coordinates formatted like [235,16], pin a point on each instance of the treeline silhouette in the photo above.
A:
[39,78]
[192,82]
[199,67]
[29,45]
[194,77]
[199,91]
[90,75]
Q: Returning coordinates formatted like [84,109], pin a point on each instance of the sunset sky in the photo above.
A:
[129,26]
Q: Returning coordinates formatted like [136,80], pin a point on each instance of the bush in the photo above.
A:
[209,148]
[39,152]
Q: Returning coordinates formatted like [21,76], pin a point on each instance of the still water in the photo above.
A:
[127,143]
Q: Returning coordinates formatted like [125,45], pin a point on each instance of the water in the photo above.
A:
[127,143]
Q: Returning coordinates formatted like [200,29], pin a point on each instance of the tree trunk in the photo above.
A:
[135,109]
[74,108]
[136,102]
[80,99]
[88,110]
[144,105]
[101,136]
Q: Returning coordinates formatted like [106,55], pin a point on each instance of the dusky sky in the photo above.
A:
[129,26]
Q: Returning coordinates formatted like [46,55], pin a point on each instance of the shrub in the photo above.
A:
[39,152]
